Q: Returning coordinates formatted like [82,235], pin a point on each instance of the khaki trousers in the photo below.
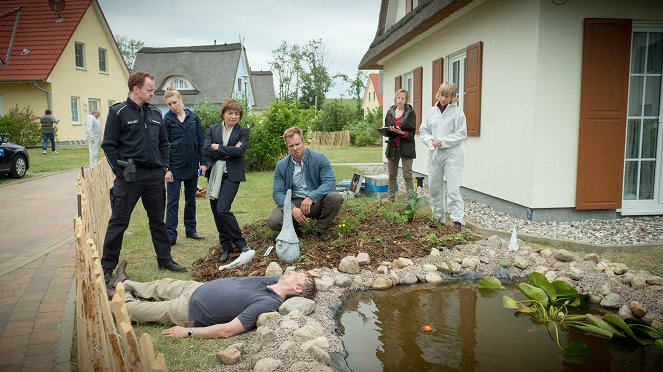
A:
[170,303]
[392,163]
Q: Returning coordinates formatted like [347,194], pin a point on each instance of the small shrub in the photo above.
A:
[21,126]
[432,240]
[334,116]
[364,132]
[208,112]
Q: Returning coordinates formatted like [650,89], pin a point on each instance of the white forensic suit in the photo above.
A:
[92,137]
[446,161]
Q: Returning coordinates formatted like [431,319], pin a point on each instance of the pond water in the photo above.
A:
[383,331]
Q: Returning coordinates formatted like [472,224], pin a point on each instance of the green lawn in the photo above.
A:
[70,157]
[352,154]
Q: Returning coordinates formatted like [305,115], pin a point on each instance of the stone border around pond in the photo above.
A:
[303,335]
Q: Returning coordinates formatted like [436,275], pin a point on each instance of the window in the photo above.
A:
[408,85]
[179,83]
[239,84]
[93,104]
[456,74]
[74,110]
[110,102]
[464,69]
[102,60]
[79,54]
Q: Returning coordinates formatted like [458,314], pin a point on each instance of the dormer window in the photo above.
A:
[179,83]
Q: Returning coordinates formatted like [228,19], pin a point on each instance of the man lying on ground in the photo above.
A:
[217,309]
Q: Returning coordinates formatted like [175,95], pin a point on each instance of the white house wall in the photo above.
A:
[558,91]
[530,98]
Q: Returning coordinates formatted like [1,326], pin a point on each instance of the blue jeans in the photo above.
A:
[172,206]
[48,137]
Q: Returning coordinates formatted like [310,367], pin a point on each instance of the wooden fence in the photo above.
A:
[105,338]
[336,139]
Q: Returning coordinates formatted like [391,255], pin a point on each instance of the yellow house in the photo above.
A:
[373,93]
[60,56]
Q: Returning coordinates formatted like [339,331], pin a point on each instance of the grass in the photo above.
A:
[70,157]
[352,154]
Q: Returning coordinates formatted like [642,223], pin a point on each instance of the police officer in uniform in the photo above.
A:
[135,131]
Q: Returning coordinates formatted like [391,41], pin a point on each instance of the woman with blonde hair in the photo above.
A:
[443,129]
[185,134]
[225,144]
[401,122]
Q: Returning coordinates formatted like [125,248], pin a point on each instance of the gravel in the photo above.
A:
[605,232]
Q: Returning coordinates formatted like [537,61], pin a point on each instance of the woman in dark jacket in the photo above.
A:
[185,135]
[401,122]
[224,146]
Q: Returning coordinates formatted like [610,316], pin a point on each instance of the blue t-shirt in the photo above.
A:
[222,300]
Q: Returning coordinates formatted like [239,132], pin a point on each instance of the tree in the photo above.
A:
[315,77]
[129,48]
[356,85]
[287,67]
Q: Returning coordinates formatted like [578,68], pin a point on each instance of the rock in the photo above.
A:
[551,276]
[349,265]
[363,259]
[429,268]
[271,317]
[273,269]
[601,266]
[639,282]
[295,314]
[545,253]
[228,356]
[540,261]
[505,262]
[443,267]
[267,365]
[617,268]
[381,283]
[324,284]
[502,273]
[401,262]
[302,304]
[563,255]
[310,330]
[649,318]
[658,307]
[565,279]
[654,280]
[382,269]
[409,279]
[575,273]
[558,266]
[455,267]
[343,281]
[495,242]
[605,289]
[358,280]
[469,263]
[289,324]
[611,301]
[627,278]
[286,345]
[301,366]
[624,312]
[595,298]
[520,262]
[434,252]
[320,341]
[637,309]
[320,354]
[657,324]
[266,335]
[433,278]
[541,269]
[591,257]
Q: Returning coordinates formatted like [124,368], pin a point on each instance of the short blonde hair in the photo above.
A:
[447,89]
[401,91]
[232,104]
[170,92]
[291,132]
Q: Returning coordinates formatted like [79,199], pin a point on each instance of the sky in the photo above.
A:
[347,27]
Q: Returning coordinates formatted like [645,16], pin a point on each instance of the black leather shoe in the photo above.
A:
[224,255]
[172,266]
[324,236]
[110,292]
[173,242]
[108,276]
[245,248]
[120,274]
[195,236]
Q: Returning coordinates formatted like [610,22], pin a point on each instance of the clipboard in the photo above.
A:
[384,131]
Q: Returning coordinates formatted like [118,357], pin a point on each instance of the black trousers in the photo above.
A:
[226,224]
[149,186]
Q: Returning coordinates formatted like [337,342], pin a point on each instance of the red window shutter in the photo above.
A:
[398,83]
[438,73]
[603,97]
[473,55]
[408,6]
[416,95]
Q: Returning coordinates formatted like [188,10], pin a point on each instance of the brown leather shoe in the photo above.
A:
[457,227]
[120,274]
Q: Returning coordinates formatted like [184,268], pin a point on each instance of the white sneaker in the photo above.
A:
[44,152]
[55,152]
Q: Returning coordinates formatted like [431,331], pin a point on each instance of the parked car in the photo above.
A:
[14,159]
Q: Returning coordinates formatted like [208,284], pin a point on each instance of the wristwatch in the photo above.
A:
[189,331]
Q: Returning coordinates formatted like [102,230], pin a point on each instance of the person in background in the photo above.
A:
[135,131]
[48,122]
[401,122]
[185,134]
[225,144]
[443,129]
[309,174]
[93,136]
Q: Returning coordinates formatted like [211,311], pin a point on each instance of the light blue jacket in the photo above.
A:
[318,174]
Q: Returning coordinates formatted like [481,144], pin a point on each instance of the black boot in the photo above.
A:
[224,254]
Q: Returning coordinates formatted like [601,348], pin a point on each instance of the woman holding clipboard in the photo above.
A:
[399,126]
